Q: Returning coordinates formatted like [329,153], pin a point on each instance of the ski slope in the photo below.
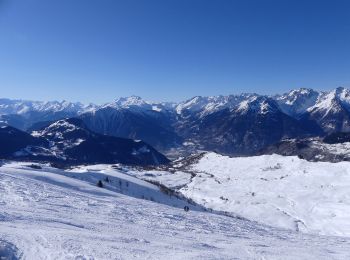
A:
[55,214]
[281,191]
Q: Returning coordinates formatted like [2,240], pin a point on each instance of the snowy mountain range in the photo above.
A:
[235,124]
[23,114]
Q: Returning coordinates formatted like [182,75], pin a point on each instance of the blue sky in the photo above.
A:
[96,51]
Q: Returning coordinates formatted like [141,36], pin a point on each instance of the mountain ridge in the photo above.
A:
[69,142]
[21,106]
[232,124]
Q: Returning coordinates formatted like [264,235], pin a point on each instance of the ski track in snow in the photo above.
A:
[46,215]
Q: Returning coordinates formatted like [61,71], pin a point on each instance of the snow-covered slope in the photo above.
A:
[46,214]
[276,190]
[116,178]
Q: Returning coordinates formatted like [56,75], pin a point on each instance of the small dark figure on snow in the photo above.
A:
[100,184]
[107,179]
[186,208]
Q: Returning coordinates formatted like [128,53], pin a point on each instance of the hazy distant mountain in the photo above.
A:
[22,114]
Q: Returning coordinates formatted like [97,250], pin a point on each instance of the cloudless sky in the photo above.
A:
[169,50]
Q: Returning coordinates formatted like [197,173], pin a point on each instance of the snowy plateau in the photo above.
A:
[266,207]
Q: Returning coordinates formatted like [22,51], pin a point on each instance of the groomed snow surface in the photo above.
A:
[54,214]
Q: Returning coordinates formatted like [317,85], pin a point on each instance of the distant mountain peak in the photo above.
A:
[136,103]
[194,104]
[62,129]
[257,104]
[298,101]
[332,101]
[130,101]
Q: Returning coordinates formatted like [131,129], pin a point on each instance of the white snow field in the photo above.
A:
[47,214]
[281,191]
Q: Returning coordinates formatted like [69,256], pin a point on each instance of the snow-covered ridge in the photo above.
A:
[21,107]
[330,101]
[207,105]
[136,103]
[295,102]
[63,126]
